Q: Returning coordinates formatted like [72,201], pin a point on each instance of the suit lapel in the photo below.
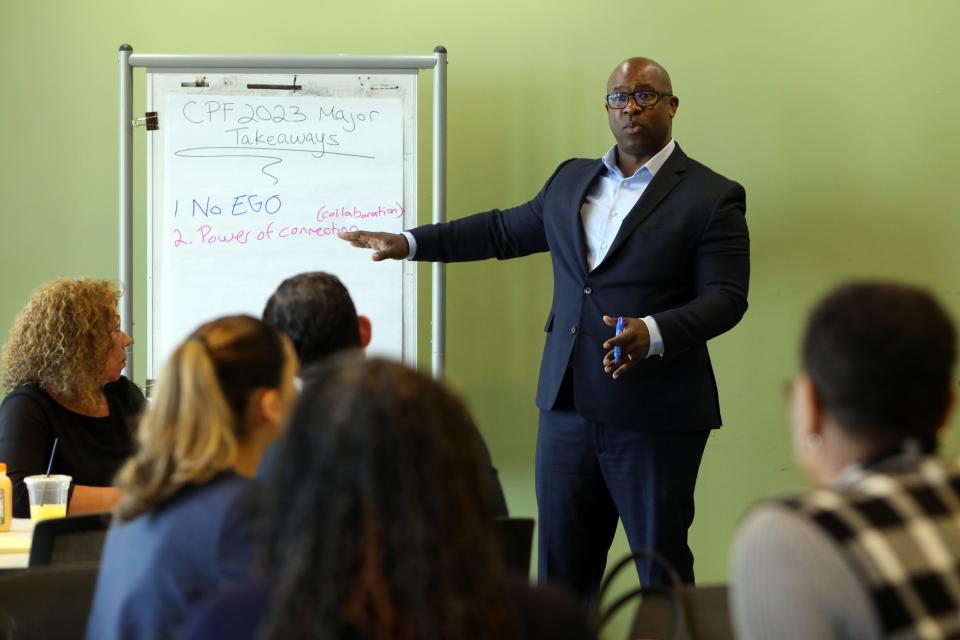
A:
[575,225]
[663,183]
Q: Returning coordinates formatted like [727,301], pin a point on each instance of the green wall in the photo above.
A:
[839,117]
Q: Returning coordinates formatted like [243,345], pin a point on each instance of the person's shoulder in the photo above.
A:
[779,529]
[28,424]
[770,538]
[123,386]
[201,512]
[209,500]
[229,487]
[789,577]
[702,173]
[579,165]
[238,499]
[29,392]
[572,171]
[25,401]
[772,516]
[125,392]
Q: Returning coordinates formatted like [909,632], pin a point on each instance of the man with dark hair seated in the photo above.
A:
[874,550]
[318,314]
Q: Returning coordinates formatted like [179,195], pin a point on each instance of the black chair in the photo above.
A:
[672,611]
[70,539]
[516,541]
[49,602]
[706,610]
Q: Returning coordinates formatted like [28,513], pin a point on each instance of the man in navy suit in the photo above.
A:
[648,234]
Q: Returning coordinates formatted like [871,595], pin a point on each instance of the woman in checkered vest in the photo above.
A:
[873,551]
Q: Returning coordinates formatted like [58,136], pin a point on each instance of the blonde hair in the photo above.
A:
[61,338]
[197,418]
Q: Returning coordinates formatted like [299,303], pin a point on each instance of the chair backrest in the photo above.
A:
[48,602]
[707,614]
[70,539]
[516,541]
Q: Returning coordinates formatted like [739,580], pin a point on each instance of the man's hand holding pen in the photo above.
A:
[633,342]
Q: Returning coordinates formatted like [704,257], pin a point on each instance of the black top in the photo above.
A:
[90,450]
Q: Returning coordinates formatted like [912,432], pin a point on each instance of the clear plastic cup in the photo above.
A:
[48,496]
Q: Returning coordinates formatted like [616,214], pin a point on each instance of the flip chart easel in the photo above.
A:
[254,163]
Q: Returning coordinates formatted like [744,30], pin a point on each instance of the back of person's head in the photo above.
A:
[201,409]
[880,357]
[316,311]
[378,528]
[61,338]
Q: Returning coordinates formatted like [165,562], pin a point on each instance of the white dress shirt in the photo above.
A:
[607,204]
[603,210]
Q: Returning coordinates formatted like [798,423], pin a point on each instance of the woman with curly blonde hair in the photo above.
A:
[62,366]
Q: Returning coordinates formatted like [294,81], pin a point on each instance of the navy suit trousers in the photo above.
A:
[590,474]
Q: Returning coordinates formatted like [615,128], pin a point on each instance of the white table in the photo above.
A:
[21,530]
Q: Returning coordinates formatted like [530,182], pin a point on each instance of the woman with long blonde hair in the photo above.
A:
[187,524]
[379,527]
[62,366]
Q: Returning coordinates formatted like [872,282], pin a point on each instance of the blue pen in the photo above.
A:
[616,350]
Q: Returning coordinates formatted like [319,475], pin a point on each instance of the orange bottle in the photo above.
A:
[6,499]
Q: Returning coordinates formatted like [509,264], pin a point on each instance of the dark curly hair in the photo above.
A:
[378,530]
[316,311]
[881,356]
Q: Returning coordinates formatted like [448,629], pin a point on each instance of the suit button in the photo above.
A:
[587,290]
[573,329]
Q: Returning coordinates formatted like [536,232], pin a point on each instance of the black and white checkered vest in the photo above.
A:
[898,526]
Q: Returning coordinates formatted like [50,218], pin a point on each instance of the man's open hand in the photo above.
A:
[386,246]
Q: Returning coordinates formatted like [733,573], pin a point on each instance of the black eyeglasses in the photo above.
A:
[619,99]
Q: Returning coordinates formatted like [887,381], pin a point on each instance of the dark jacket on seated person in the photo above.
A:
[157,567]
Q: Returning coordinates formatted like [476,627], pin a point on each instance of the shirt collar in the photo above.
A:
[905,456]
[653,165]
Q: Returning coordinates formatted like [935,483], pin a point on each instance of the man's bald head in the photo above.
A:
[631,65]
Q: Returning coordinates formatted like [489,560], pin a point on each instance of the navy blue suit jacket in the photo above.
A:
[682,255]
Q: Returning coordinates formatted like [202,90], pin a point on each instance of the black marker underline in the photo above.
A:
[316,153]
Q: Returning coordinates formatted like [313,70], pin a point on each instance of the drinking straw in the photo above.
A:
[53,452]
